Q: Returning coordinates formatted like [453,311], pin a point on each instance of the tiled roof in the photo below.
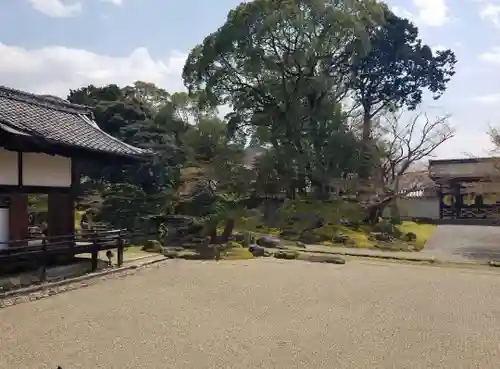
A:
[57,121]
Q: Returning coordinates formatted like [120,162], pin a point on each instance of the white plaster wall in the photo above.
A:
[8,167]
[486,168]
[424,207]
[46,170]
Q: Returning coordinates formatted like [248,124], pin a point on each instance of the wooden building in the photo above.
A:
[467,188]
[42,138]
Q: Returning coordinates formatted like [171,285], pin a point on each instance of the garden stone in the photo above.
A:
[152,246]
[238,237]
[287,255]
[340,238]
[169,253]
[257,250]
[381,236]
[345,223]
[301,244]
[410,236]
[267,241]
[494,263]
[325,259]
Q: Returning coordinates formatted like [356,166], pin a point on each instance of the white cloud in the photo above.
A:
[56,69]
[492,56]
[490,12]
[114,2]
[488,99]
[431,13]
[403,12]
[57,8]
[460,145]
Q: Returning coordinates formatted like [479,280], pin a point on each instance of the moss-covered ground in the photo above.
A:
[340,220]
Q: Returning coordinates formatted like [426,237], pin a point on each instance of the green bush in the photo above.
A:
[395,221]
[384,227]
[355,224]
[234,244]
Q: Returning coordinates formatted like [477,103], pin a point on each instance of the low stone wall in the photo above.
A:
[79,267]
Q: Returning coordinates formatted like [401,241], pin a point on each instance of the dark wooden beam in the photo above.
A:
[18,216]
[5,189]
[20,179]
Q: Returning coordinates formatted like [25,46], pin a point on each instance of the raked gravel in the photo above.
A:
[263,314]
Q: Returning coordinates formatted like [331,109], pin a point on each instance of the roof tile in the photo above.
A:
[57,120]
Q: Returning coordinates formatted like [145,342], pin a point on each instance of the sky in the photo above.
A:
[51,46]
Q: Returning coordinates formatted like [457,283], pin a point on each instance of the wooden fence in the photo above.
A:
[40,253]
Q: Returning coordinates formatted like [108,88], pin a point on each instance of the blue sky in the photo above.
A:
[49,46]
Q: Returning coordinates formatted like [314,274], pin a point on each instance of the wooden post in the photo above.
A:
[18,217]
[95,252]
[61,214]
[45,260]
[121,248]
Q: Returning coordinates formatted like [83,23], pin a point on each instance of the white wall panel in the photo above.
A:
[46,170]
[8,167]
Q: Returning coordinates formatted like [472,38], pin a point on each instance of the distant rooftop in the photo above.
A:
[464,160]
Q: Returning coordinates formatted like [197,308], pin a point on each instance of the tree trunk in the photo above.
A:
[213,234]
[228,230]
[291,191]
[374,211]
[394,207]
[367,146]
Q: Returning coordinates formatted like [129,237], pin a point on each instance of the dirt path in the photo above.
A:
[464,243]
[263,314]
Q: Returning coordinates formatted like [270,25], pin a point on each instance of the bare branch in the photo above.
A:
[404,142]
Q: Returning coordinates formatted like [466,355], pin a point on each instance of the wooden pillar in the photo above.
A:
[61,216]
[18,209]
[440,198]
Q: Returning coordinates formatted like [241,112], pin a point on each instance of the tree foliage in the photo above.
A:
[120,113]
[283,68]
[293,73]
[394,73]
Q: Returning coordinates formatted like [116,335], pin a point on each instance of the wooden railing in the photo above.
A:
[40,253]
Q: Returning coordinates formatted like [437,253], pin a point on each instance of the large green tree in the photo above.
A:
[132,116]
[282,66]
[394,72]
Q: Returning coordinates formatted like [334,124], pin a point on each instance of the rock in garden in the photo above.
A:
[169,253]
[345,223]
[330,259]
[340,238]
[288,255]
[267,241]
[152,246]
[301,244]
[410,236]
[381,237]
[238,237]
[257,250]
